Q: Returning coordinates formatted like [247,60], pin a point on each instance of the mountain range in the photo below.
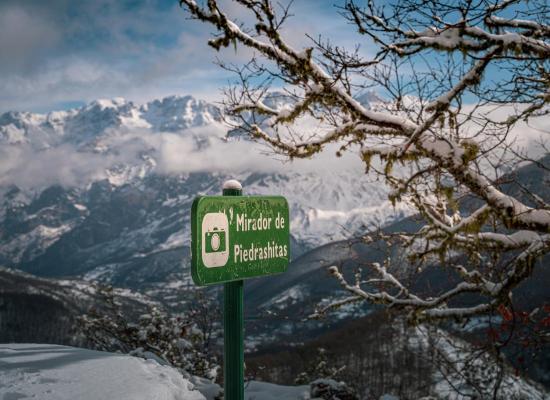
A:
[104,191]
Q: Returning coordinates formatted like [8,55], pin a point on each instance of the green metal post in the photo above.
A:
[233,325]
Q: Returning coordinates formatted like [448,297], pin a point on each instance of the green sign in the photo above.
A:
[238,237]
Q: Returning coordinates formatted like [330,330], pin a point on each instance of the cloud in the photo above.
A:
[193,150]
[63,165]
[24,38]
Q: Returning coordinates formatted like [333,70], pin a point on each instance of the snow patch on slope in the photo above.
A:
[38,240]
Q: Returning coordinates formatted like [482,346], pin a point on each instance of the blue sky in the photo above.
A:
[63,53]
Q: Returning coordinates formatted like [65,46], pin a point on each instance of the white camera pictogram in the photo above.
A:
[215,240]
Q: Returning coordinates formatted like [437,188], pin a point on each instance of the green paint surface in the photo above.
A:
[238,237]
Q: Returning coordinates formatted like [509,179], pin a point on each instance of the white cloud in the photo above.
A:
[174,153]
[62,165]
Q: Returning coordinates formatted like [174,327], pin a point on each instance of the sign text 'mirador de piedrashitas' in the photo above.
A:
[239,237]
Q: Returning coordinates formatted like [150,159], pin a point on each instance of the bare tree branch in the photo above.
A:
[449,70]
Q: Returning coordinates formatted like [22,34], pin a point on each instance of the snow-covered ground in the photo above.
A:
[52,372]
[45,371]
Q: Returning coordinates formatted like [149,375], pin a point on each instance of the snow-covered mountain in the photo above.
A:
[105,191]
[86,124]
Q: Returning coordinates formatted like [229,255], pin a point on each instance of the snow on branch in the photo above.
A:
[423,308]
[398,296]
[304,149]
[445,70]
[534,28]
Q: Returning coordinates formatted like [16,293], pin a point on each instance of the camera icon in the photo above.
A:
[215,240]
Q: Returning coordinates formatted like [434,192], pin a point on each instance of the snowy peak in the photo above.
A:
[176,113]
[95,118]
[108,103]
[18,127]
[369,98]
[100,117]
[278,100]
[18,119]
